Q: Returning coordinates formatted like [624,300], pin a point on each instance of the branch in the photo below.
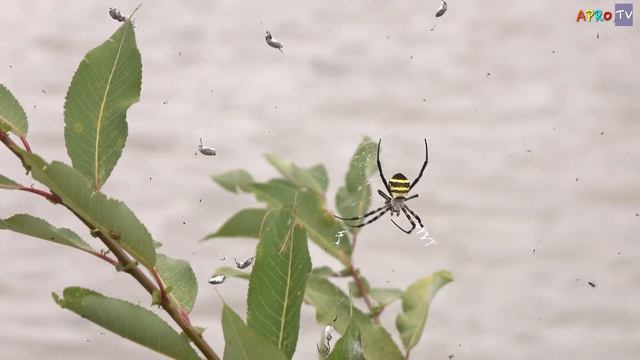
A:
[47,195]
[4,138]
[104,257]
[25,143]
[358,281]
[175,311]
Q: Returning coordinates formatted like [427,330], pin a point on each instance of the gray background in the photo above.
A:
[542,154]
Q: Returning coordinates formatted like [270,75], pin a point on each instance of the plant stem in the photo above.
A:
[174,310]
[353,244]
[358,281]
[4,138]
[49,196]
[104,257]
[25,143]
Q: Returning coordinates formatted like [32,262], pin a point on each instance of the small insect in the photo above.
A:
[328,335]
[441,9]
[397,188]
[244,264]
[273,42]
[339,236]
[217,279]
[205,150]
[115,15]
[591,284]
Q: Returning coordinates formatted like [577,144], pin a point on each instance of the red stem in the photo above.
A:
[159,282]
[25,143]
[49,196]
[104,257]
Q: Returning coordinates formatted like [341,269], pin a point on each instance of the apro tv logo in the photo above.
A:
[622,15]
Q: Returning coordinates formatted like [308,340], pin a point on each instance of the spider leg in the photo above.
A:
[372,219]
[385,196]
[384,181]
[411,197]
[365,215]
[424,165]
[414,215]
[413,224]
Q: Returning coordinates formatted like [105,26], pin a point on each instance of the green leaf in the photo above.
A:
[245,223]
[6,183]
[234,180]
[415,306]
[385,296]
[130,321]
[355,292]
[378,345]
[349,347]
[323,271]
[12,116]
[314,178]
[242,343]
[321,226]
[278,280]
[36,227]
[354,198]
[106,83]
[109,216]
[333,306]
[319,174]
[232,272]
[179,275]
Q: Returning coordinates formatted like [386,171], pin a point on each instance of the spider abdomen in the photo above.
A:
[399,185]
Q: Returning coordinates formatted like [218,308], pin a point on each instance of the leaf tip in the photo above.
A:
[57,299]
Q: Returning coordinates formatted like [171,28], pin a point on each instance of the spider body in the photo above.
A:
[399,185]
[398,188]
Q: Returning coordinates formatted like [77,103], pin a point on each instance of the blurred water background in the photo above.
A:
[533,130]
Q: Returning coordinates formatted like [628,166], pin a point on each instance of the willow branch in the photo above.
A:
[174,310]
[355,274]
[130,265]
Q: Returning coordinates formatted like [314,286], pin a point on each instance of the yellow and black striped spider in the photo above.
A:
[398,188]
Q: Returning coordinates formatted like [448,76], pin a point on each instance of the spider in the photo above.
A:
[398,188]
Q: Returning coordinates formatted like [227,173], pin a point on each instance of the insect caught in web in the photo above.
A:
[273,42]
[244,264]
[398,188]
[217,279]
[205,150]
[116,15]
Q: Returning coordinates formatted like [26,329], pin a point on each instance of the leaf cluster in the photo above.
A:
[301,193]
[292,214]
